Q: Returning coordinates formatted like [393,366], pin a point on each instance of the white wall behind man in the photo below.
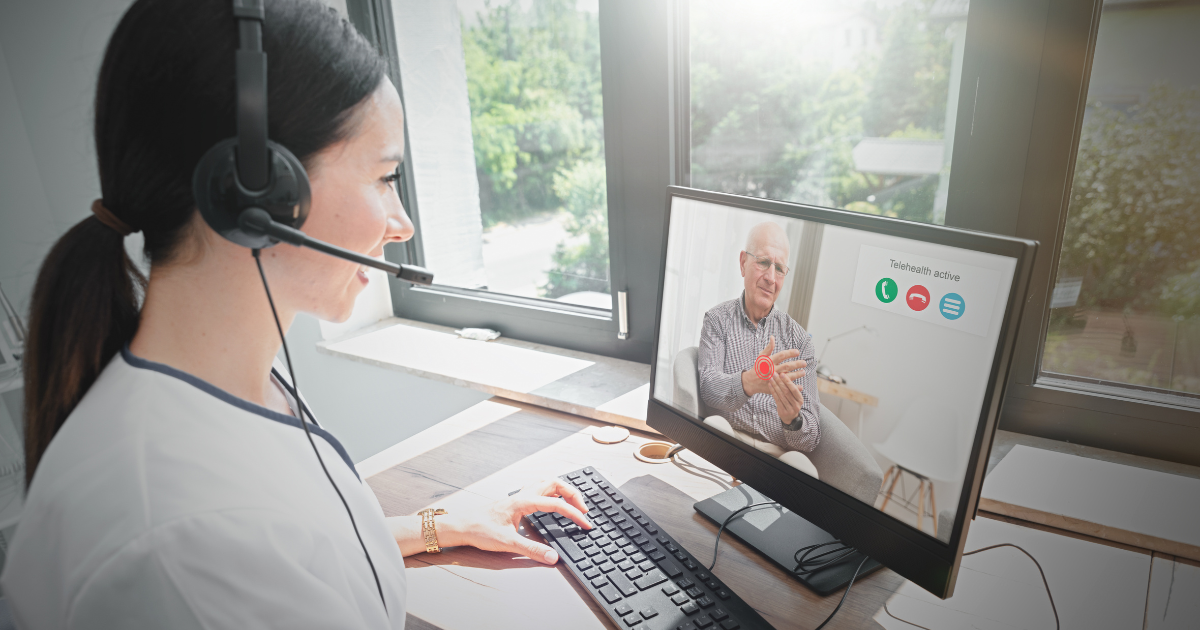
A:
[50,54]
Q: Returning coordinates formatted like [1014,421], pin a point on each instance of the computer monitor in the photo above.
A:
[913,326]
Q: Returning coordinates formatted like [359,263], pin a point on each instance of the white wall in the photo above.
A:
[50,53]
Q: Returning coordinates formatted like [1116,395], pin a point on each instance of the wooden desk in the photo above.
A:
[485,460]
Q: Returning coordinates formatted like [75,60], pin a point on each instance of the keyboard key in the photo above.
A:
[633,574]
[615,536]
[611,549]
[632,621]
[670,547]
[592,552]
[571,530]
[688,608]
[606,566]
[618,558]
[585,543]
[585,565]
[685,583]
[718,614]
[680,599]
[611,595]
[645,566]
[670,568]
[571,550]
[625,566]
[608,527]
[662,540]
[687,626]
[639,538]
[657,555]
[642,520]
[649,612]
[723,594]
[600,581]
[648,547]
[694,592]
[651,529]
[626,526]
[729,624]
[595,533]
[630,508]
[702,576]
[589,471]
[617,499]
[703,621]
[712,585]
[611,512]
[637,558]
[691,566]
[591,573]
[654,577]
[623,609]
[679,555]
[573,476]
[622,583]
[704,602]
[618,519]
[670,589]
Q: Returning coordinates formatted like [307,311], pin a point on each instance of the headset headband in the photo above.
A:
[252,158]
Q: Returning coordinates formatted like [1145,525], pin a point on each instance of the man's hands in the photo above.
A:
[789,397]
[495,527]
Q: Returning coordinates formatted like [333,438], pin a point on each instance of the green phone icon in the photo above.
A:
[886,290]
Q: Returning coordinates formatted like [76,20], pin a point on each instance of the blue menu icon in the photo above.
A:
[953,306]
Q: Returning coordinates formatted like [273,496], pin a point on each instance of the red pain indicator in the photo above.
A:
[764,367]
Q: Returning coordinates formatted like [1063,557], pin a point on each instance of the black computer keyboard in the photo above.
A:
[638,574]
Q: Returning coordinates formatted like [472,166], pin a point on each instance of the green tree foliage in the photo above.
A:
[1133,227]
[769,121]
[581,263]
[533,80]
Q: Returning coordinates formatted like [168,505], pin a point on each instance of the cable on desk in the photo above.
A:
[727,520]
[807,563]
[844,594]
[1057,624]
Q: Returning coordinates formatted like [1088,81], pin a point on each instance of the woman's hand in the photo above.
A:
[495,527]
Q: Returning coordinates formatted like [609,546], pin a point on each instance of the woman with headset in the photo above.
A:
[172,483]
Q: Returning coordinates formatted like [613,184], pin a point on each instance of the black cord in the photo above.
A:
[806,565]
[727,520]
[304,423]
[1035,563]
[844,594]
[1053,608]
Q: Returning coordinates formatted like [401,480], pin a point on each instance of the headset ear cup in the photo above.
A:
[290,196]
[220,198]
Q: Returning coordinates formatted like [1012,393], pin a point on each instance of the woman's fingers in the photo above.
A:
[568,492]
[530,549]
[555,504]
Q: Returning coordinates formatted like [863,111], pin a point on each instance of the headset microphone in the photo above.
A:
[256,221]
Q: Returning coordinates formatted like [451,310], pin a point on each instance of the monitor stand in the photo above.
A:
[778,533]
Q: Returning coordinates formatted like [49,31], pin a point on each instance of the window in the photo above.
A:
[513,150]
[1125,309]
[838,103]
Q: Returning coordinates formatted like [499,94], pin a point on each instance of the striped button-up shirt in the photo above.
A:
[729,344]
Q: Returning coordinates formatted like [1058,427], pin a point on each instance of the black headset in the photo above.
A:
[255,193]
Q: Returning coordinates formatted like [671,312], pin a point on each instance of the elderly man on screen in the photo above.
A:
[783,410]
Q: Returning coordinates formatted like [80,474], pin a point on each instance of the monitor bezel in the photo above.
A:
[923,559]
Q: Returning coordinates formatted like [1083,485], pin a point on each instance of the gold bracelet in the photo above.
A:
[429,529]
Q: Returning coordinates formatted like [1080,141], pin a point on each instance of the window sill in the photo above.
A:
[588,385]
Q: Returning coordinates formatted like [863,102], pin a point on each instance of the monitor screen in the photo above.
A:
[900,338]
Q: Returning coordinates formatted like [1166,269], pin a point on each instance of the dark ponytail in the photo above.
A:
[166,94]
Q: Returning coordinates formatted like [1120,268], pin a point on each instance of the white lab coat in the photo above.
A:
[164,502]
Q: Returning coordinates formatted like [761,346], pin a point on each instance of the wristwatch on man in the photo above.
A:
[429,529]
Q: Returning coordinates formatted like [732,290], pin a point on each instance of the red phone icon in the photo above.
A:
[918,298]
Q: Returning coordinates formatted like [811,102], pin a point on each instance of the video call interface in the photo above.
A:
[899,336]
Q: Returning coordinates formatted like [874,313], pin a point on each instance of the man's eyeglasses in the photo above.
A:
[765,263]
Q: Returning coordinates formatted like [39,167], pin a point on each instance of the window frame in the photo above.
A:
[633,49]
[1016,137]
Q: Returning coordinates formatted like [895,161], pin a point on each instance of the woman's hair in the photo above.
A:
[165,95]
